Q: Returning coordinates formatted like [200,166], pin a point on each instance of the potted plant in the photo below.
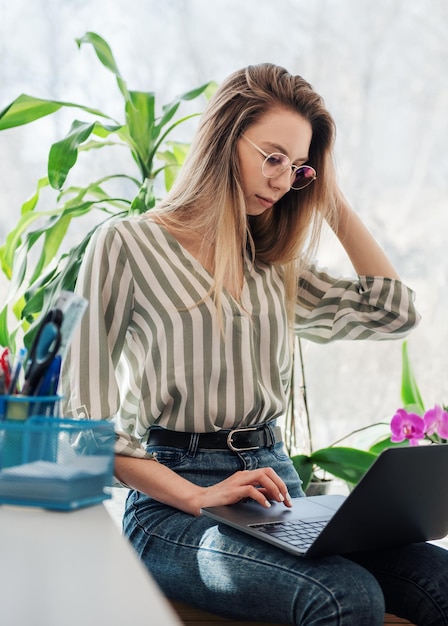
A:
[412,423]
[316,467]
[143,133]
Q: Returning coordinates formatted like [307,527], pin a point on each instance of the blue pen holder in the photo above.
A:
[56,463]
[18,410]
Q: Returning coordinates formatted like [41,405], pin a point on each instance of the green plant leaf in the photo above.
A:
[410,393]
[13,239]
[382,445]
[169,110]
[140,117]
[145,199]
[13,243]
[349,464]
[104,54]
[173,160]
[64,153]
[304,466]
[95,189]
[5,339]
[53,236]
[25,109]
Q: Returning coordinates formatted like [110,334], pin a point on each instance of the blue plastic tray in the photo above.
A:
[55,463]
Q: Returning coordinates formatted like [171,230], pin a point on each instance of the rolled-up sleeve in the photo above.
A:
[90,386]
[369,307]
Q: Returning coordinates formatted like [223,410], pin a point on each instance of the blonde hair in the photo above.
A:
[207,196]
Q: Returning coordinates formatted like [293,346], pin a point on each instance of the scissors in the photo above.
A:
[43,350]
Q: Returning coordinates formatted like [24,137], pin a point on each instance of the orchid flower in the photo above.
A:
[436,421]
[406,425]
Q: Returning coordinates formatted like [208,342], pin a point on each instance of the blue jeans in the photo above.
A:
[223,571]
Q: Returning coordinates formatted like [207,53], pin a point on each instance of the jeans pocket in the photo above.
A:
[171,457]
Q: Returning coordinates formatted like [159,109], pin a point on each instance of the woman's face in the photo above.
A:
[279,130]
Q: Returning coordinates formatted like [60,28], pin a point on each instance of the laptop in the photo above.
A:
[400,500]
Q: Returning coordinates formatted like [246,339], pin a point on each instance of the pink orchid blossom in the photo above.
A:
[409,426]
[436,421]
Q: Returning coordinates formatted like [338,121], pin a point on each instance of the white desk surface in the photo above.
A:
[73,569]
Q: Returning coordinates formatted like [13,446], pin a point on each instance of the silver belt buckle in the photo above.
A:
[230,442]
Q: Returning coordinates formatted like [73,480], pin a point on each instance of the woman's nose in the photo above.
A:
[282,182]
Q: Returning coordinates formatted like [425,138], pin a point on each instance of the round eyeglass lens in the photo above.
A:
[275,164]
[303,176]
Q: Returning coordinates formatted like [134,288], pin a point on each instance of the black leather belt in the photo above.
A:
[237,439]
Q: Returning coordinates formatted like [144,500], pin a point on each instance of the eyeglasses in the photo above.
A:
[276,163]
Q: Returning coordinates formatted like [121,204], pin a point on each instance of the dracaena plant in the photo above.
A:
[40,232]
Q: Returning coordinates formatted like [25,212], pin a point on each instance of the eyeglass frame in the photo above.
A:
[293,167]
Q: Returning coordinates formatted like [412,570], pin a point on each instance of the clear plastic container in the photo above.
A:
[55,463]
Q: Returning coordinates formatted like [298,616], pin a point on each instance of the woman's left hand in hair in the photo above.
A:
[366,255]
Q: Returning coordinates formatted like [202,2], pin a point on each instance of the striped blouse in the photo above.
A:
[150,350]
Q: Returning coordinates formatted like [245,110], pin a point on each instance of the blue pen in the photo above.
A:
[49,384]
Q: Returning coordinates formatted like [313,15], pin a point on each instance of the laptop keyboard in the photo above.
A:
[298,533]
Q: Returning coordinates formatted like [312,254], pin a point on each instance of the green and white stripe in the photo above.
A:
[150,350]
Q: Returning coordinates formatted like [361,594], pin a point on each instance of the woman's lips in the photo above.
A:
[266,202]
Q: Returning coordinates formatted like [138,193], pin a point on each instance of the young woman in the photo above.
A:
[188,337]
